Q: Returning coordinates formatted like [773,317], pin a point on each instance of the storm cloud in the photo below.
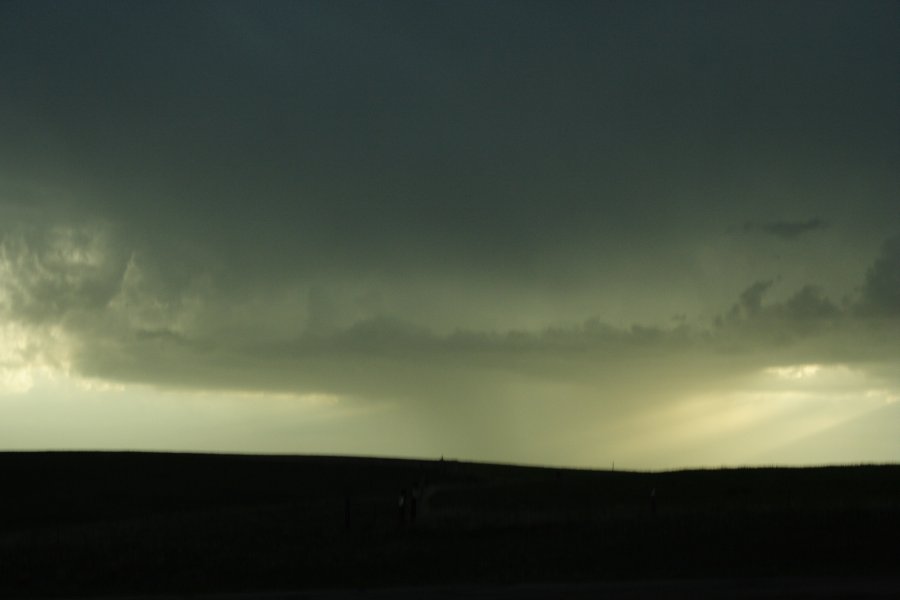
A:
[506,221]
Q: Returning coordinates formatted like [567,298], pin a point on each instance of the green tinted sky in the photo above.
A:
[661,233]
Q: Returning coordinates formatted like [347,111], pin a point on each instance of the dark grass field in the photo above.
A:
[93,524]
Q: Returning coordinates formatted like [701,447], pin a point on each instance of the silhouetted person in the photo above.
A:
[346,510]
[401,508]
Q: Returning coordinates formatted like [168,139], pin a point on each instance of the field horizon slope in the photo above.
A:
[87,523]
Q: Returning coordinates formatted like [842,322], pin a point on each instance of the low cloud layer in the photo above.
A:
[101,316]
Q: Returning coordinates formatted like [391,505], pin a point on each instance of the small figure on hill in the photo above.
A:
[401,508]
[346,510]
[414,499]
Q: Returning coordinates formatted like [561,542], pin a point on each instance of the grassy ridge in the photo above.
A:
[93,523]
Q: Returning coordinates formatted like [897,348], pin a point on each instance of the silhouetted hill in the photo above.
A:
[90,523]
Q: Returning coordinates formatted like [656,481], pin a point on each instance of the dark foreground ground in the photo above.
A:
[169,525]
[696,589]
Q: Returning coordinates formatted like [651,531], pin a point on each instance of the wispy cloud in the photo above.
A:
[786,230]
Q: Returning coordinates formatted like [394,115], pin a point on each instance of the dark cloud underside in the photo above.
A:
[449,204]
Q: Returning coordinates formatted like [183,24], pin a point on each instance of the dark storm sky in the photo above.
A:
[472,212]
